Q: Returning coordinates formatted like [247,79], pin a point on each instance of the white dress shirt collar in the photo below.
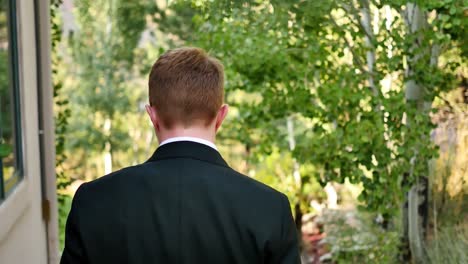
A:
[192,139]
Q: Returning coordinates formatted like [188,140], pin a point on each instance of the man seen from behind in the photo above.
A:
[185,204]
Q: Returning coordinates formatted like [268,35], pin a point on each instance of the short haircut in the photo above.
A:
[186,86]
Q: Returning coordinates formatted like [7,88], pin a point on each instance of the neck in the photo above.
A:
[197,132]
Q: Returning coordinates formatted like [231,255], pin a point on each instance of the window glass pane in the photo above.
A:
[10,144]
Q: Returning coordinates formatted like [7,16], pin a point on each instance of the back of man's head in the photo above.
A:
[186,87]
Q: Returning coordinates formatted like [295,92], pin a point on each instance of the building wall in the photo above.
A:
[23,231]
[25,241]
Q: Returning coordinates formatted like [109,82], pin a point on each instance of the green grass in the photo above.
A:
[449,245]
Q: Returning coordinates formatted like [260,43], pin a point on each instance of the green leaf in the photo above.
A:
[5,150]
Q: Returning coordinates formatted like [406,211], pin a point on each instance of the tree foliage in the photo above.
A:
[105,89]
[321,91]
[310,59]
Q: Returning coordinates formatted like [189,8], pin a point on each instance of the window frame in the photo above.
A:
[14,85]
[24,196]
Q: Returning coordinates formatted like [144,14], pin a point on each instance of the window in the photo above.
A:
[10,120]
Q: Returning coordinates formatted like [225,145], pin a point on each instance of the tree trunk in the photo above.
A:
[415,208]
[332,196]
[370,53]
[417,218]
[107,148]
[297,179]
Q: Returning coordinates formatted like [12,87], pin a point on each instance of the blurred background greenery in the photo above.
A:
[357,110]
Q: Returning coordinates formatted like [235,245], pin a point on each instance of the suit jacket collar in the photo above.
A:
[193,139]
[188,149]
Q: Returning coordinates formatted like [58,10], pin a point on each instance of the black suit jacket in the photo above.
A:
[184,205]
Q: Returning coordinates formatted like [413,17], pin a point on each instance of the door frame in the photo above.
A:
[46,126]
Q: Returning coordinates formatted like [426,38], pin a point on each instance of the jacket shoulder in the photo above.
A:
[256,185]
[109,185]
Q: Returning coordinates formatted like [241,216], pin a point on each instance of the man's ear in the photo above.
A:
[153,116]
[221,116]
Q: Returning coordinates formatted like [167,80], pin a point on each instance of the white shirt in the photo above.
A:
[193,139]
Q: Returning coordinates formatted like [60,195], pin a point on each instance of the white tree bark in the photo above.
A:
[292,146]
[366,22]
[413,221]
[332,196]
[107,148]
